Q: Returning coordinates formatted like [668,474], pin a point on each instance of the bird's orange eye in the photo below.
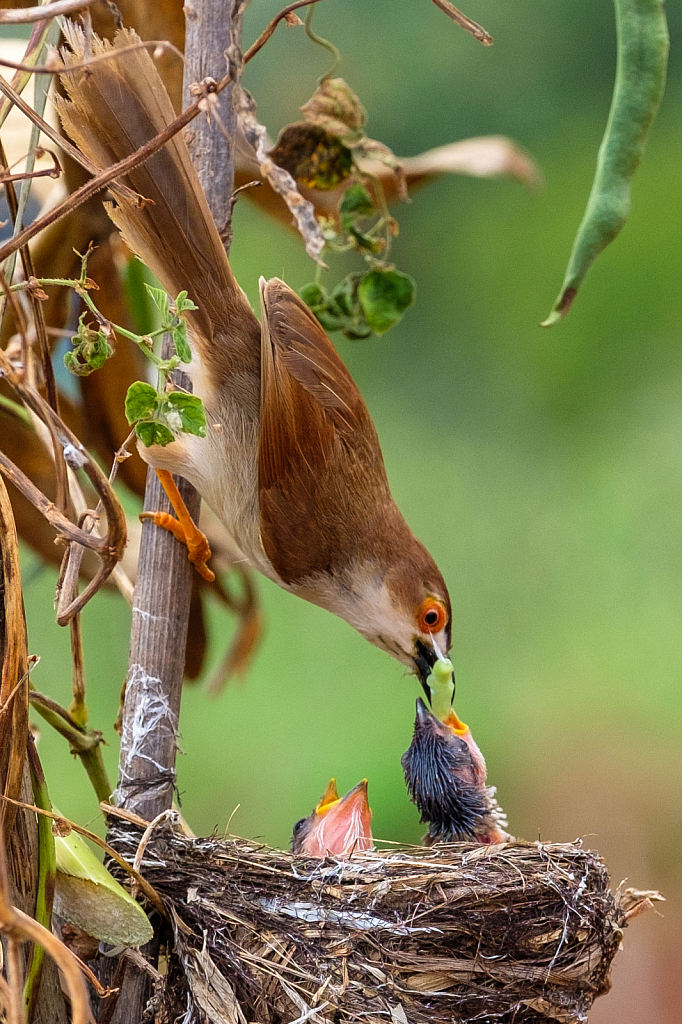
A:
[432,616]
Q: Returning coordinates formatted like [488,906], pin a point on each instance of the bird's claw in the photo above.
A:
[183,528]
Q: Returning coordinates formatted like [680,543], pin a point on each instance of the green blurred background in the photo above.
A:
[543,469]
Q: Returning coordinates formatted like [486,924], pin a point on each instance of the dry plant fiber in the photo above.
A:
[521,932]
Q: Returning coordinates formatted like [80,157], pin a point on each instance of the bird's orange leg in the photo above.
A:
[183,528]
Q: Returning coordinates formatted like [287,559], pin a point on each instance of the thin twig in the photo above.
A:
[16,209]
[472,27]
[267,32]
[30,14]
[64,144]
[19,319]
[48,172]
[110,547]
[84,743]
[52,69]
[108,175]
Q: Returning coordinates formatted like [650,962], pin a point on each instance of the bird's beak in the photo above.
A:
[329,797]
[456,724]
[424,660]
[342,827]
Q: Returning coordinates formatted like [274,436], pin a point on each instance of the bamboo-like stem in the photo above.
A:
[164,576]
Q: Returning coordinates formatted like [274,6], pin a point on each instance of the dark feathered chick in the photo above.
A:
[446,775]
[337,827]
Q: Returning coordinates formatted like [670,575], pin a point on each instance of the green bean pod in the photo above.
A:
[642,33]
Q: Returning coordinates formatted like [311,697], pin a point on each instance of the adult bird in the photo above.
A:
[337,827]
[291,463]
[445,774]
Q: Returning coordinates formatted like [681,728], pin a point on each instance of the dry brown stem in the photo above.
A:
[267,32]
[29,14]
[67,147]
[14,654]
[110,547]
[118,170]
[51,69]
[36,307]
[472,27]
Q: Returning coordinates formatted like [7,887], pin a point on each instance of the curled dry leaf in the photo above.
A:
[279,178]
[313,156]
[484,156]
[336,109]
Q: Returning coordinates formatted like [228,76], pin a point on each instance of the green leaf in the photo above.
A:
[182,348]
[166,365]
[152,432]
[357,330]
[384,296]
[72,363]
[96,350]
[160,299]
[91,349]
[182,303]
[330,318]
[362,241]
[314,296]
[88,896]
[345,295]
[141,401]
[355,202]
[191,410]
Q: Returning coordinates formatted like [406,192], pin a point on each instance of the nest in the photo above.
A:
[519,932]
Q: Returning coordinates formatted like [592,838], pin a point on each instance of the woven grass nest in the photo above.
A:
[519,932]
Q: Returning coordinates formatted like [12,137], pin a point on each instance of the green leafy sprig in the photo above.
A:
[159,413]
[368,302]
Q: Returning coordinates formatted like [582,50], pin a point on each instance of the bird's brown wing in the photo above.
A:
[114,107]
[319,465]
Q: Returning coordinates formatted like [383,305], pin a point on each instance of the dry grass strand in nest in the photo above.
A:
[522,932]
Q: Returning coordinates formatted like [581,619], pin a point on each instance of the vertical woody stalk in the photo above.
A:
[162,592]
[164,577]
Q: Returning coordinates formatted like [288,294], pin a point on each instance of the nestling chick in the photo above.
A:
[445,775]
[337,827]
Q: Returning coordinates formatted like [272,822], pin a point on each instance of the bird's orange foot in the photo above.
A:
[183,528]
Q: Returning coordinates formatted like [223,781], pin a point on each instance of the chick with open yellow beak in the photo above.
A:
[338,827]
[445,771]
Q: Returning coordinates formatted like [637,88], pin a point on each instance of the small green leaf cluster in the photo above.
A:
[173,322]
[363,303]
[90,351]
[354,205]
[158,417]
[159,414]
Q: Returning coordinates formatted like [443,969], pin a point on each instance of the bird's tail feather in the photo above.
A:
[114,107]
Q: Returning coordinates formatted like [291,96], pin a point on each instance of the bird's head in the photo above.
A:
[400,605]
[443,779]
[338,827]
